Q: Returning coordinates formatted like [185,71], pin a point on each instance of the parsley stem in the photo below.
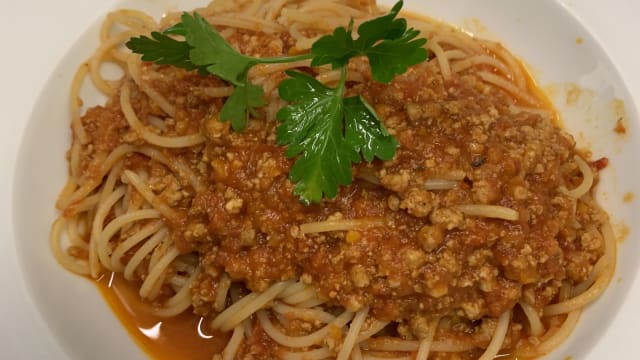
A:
[343,80]
[285,59]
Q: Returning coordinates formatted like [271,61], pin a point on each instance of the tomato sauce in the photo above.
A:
[185,336]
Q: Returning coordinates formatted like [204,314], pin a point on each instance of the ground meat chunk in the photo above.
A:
[418,202]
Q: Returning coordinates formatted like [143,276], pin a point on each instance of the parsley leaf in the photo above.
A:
[365,132]
[385,40]
[335,49]
[385,27]
[205,50]
[393,57]
[329,131]
[163,50]
[312,125]
[211,50]
[244,100]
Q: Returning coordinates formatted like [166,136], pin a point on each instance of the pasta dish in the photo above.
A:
[469,232]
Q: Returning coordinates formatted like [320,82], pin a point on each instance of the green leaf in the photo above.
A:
[393,57]
[385,27]
[177,29]
[385,40]
[312,125]
[244,99]
[211,50]
[309,98]
[335,49]
[162,50]
[365,132]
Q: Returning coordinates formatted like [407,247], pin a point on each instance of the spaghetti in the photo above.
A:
[481,237]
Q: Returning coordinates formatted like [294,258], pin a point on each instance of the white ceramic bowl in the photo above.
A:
[561,53]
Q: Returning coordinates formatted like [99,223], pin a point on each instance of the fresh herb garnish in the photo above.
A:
[386,41]
[205,50]
[327,131]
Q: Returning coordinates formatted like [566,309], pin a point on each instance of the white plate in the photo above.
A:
[72,316]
